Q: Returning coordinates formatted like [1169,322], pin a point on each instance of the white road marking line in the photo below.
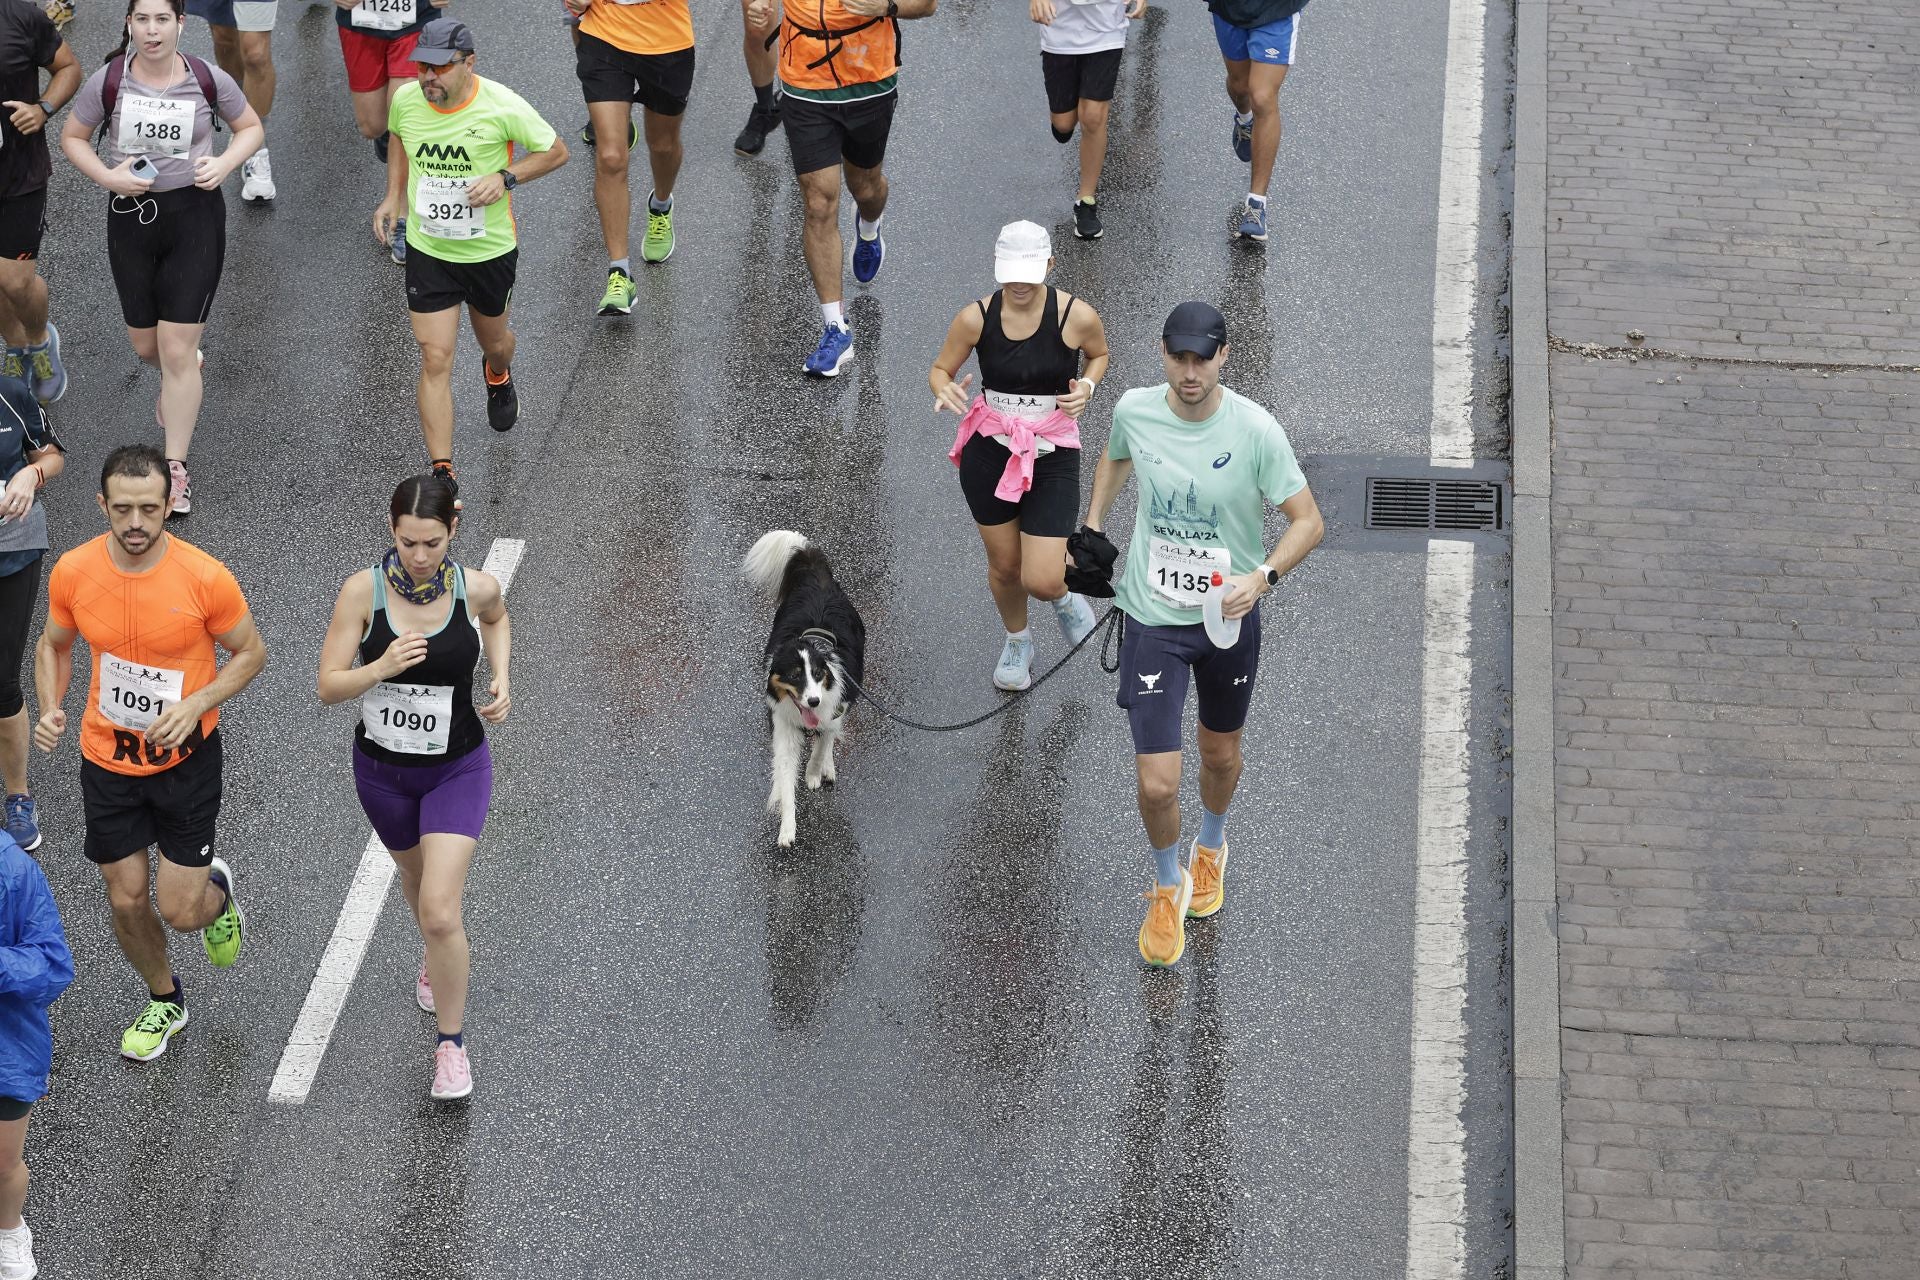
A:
[1436,1138]
[366,898]
[1457,242]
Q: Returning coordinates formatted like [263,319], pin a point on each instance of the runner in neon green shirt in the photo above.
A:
[450,168]
[1209,462]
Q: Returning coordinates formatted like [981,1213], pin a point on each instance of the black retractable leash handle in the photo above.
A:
[1112,627]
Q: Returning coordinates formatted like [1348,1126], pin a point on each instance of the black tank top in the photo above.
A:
[1042,365]
[408,711]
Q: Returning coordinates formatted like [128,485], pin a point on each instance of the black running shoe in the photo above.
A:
[503,404]
[588,136]
[380,147]
[1086,220]
[753,138]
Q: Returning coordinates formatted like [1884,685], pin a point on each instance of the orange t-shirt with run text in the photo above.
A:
[641,26]
[152,635]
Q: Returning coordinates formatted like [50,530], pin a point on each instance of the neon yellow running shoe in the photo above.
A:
[222,938]
[147,1038]
[658,246]
[618,299]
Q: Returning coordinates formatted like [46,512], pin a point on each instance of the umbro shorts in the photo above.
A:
[1158,663]
[1273,44]
[241,15]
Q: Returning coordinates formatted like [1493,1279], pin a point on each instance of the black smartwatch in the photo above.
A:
[47,107]
[507,179]
[1271,574]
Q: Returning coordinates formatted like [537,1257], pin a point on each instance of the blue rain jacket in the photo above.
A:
[35,967]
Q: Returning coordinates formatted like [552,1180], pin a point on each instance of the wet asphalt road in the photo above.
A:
[921,1042]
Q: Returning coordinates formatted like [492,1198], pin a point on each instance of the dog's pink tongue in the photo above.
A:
[809,718]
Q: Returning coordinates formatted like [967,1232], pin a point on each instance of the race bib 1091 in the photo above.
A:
[134,695]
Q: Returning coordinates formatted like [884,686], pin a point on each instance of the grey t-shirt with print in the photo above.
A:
[172,172]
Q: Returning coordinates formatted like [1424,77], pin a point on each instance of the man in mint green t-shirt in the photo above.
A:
[1209,461]
[450,168]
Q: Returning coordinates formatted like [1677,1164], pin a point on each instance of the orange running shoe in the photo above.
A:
[1209,880]
[1163,935]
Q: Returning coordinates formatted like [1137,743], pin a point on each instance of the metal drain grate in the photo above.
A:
[1399,503]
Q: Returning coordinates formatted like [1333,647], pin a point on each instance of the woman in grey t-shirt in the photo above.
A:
[167,225]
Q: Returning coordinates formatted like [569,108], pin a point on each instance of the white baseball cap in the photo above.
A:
[1021,254]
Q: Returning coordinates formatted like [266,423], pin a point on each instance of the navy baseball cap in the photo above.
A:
[1197,327]
[442,41]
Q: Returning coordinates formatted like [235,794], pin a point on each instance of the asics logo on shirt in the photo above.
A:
[1222,460]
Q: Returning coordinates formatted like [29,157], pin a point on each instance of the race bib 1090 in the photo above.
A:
[412,719]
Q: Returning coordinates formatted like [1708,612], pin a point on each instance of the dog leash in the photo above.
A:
[1112,627]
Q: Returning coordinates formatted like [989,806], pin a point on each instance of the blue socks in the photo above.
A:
[1213,828]
[454,1039]
[1166,864]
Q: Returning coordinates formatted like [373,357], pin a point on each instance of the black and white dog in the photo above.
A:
[817,642]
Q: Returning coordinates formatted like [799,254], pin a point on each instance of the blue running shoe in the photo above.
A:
[23,822]
[867,257]
[397,247]
[835,349]
[1253,222]
[45,374]
[1243,140]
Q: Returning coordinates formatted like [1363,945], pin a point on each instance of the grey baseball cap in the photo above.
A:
[442,41]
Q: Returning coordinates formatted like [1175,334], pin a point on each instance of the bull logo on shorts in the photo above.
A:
[1150,680]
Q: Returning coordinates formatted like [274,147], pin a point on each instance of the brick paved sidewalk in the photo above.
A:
[1737,636]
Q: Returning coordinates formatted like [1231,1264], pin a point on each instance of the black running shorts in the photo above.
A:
[434,284]
[1050,509]
[167,249]
[1073,78]
[23,220]
[1158,663]
[175,808]
[821,135]
[660,82]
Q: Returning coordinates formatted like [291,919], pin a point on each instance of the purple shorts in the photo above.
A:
[404,802]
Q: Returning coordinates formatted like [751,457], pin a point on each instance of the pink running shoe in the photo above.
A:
[452,1074]
[180,488]
[423,990]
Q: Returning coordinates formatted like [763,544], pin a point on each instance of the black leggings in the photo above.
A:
[18,592]
[166,249]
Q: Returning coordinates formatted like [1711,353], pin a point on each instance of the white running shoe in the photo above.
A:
[1014,671]
[16,1254]
[257,177]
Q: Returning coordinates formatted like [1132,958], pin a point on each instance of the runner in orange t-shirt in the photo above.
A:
[631,52]
[150,608]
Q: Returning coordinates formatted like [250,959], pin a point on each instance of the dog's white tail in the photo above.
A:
[767,562]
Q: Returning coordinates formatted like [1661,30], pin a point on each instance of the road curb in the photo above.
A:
[1539,1210]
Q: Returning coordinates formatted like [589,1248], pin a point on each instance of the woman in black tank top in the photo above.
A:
[417,623]
[1018,447]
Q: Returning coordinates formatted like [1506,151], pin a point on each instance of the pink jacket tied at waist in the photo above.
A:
[1023,442]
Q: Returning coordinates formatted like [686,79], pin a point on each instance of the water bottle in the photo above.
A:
[1224,633]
